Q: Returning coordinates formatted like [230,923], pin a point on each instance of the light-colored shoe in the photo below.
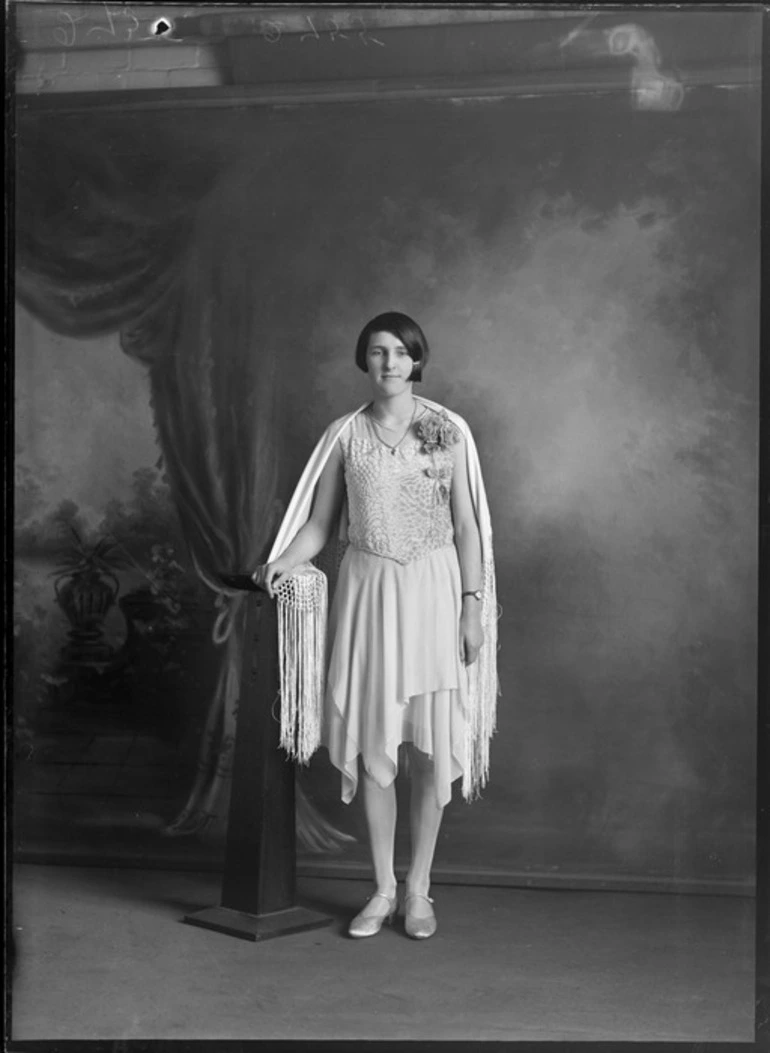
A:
[370,924]
[419,927]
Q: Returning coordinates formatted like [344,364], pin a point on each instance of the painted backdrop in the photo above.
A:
[588,279]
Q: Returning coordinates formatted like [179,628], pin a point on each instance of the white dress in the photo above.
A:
[395,673]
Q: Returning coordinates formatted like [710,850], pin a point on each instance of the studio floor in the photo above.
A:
[102,954]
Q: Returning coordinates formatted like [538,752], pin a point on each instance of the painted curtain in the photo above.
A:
[112,242]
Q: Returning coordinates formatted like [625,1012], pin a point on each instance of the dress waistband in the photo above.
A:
[423,554]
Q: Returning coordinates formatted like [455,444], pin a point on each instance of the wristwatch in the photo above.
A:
[476,593]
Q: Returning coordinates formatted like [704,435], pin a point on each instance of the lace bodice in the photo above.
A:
[398,502]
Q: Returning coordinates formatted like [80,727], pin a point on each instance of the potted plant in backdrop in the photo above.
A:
[86,586]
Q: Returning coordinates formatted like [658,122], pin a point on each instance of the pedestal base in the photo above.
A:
[258,926]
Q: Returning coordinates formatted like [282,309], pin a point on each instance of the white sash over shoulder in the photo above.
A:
[302,619]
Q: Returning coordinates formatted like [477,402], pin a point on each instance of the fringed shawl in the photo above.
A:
[302,613]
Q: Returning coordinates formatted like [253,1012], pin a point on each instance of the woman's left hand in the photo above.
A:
[471,636]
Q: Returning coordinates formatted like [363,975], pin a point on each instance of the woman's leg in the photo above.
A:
[380,811]
[425,819]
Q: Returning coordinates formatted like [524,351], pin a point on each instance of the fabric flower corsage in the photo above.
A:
[443,477]
[437,432]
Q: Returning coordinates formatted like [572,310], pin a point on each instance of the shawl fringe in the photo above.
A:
[483,689]
[302,607]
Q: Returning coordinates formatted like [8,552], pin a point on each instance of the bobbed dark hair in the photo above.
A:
[404,329]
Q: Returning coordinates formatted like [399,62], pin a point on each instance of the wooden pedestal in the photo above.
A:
[259,885]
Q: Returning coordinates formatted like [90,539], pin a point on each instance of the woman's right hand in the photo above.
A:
[270,575]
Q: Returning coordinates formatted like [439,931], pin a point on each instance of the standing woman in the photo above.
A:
[410,660]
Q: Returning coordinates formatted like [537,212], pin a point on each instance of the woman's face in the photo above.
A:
[389,364]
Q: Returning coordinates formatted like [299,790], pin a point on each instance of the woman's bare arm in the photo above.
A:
[468,545]
[467,536]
